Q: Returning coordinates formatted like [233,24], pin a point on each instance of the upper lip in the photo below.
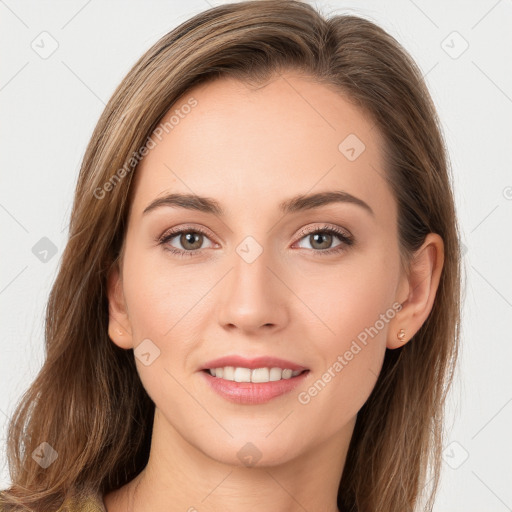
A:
[253,363]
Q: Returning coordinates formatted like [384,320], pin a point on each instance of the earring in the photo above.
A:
[119,332]
[401,335]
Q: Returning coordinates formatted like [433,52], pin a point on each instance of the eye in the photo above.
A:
[321,239]
[190,239]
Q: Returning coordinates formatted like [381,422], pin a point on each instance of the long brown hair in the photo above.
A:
[88,402]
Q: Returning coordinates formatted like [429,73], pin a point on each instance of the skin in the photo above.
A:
[250,149]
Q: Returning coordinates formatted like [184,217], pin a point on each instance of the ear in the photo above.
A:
[417,290]
[119,328]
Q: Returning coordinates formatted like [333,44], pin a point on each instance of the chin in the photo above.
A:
[255,450]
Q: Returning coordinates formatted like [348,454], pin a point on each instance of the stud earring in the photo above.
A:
[119,332]
[401,335]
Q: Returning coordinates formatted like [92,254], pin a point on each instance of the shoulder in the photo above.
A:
[89,503]
[92,502]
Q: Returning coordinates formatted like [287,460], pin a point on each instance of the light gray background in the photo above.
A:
[49,107]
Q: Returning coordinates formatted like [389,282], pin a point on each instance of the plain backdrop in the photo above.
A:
[62,60]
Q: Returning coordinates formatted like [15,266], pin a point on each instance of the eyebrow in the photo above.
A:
[294,204]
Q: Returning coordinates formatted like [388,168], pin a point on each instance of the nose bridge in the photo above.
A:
[251,275]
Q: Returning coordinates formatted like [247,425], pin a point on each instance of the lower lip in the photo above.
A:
[252,393]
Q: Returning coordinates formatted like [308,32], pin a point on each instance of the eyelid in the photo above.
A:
[186,227]
[325,227]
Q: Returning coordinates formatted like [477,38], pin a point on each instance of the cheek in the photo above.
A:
[351,361]
[168,305]
[159,295]
[346,298]
[355,306]
[160,301]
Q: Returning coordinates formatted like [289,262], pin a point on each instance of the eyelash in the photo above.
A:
[346,240]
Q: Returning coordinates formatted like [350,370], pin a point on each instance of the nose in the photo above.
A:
[252,298]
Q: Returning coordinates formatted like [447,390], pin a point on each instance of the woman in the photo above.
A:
[258,304]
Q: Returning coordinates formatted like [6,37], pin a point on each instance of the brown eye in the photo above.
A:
[320,240]
[191,240]
[185,241]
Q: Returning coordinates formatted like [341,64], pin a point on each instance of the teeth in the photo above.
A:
[260,375]
[229,373]
[275,374]
[242,375]
[287,374]
[239,374]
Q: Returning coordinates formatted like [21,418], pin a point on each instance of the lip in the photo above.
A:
[252,393]
[252,364]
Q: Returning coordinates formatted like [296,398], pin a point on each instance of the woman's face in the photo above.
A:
[249,279]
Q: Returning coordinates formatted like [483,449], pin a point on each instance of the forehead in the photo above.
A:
[250,146]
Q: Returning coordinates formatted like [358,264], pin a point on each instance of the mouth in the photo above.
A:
[252,381]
